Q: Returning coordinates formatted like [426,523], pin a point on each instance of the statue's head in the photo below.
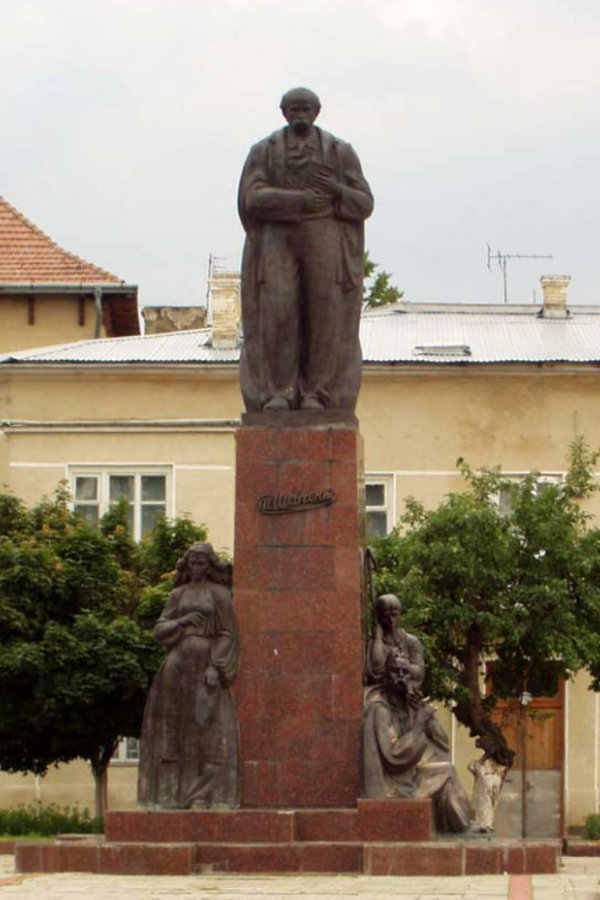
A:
[388,609]
[396,676]
[300,107]
[199,561]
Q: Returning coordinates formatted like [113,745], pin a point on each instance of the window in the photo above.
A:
[378,502]
[145,490]
[504,498]
[128,751]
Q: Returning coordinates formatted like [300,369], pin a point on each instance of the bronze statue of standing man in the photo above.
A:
[303,200]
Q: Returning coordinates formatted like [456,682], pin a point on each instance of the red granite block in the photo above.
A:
[247,858]
[72,857]
[257,568]
[311,652]
[303,475]
[348,568]
[28,857]
[260,782]
[331,825]
[347,695]
[295,611]
[336,525]
[123,859]
[305,444]
[412,859]
[257,445]
[394,820]
[256,739]
[143,825]
[305,568]
[239,826]
[286,529]
[348,655]
[7,848]
[330,858]
[542,858]
[344,443]
[484,860]
[253,479]
[251,527]
[513,859]
[344,481]
[318,782]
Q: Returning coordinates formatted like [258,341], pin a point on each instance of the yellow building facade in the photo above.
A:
[98,411]
[155,417]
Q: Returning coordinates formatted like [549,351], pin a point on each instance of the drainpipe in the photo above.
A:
[98,302]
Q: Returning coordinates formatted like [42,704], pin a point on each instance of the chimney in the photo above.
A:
[225,308]
[555,296]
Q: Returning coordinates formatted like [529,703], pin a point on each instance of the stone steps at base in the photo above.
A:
[371,858]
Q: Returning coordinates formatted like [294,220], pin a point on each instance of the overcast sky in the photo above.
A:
[125,124]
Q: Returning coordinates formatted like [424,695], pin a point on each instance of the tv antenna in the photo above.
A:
[503,258]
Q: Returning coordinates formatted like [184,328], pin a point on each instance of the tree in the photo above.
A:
[478,582]
[76,651]
[378,291]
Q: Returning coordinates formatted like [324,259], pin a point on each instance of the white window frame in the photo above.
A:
[386,480]
[104,472]
[122,755]
[543,479]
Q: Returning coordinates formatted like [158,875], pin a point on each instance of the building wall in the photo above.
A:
[415,424]
[56,321]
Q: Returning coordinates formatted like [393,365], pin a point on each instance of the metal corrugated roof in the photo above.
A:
[479,338]
[438,336]
[174,347]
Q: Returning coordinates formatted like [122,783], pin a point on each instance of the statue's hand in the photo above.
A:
[425,713]
[325,182]
[211,678]
[313,201]
[195,619]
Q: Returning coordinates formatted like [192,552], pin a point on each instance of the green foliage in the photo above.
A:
[165,545]
[580,481]
[378,290]
[478,583]
[34,819]
[591,829]
[77,608]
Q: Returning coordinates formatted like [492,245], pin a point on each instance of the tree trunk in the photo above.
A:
[100,773]
[471,710]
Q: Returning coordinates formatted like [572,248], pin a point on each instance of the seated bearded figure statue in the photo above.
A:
[405,749]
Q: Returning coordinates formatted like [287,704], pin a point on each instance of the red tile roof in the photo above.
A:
[28,256]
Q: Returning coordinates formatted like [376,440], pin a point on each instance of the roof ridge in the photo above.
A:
[40,234]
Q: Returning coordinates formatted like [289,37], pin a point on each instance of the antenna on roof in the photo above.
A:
[215,264]
[502,259]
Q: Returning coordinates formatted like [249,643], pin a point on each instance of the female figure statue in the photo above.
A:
[189,734]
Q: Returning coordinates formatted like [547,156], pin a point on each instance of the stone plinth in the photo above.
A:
[298,599]
[375,838]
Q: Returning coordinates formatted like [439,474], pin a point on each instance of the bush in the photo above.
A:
[47,821]
[592,827]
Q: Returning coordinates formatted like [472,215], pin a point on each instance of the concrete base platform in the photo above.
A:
[375,838]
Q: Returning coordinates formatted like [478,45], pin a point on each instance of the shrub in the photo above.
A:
[592,827]
[48,820]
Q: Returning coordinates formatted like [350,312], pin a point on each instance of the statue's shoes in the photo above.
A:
[311,402]
[277,402]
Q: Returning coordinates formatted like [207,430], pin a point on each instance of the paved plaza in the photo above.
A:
[579,879]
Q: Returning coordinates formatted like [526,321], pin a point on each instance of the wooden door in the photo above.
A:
[531,799]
